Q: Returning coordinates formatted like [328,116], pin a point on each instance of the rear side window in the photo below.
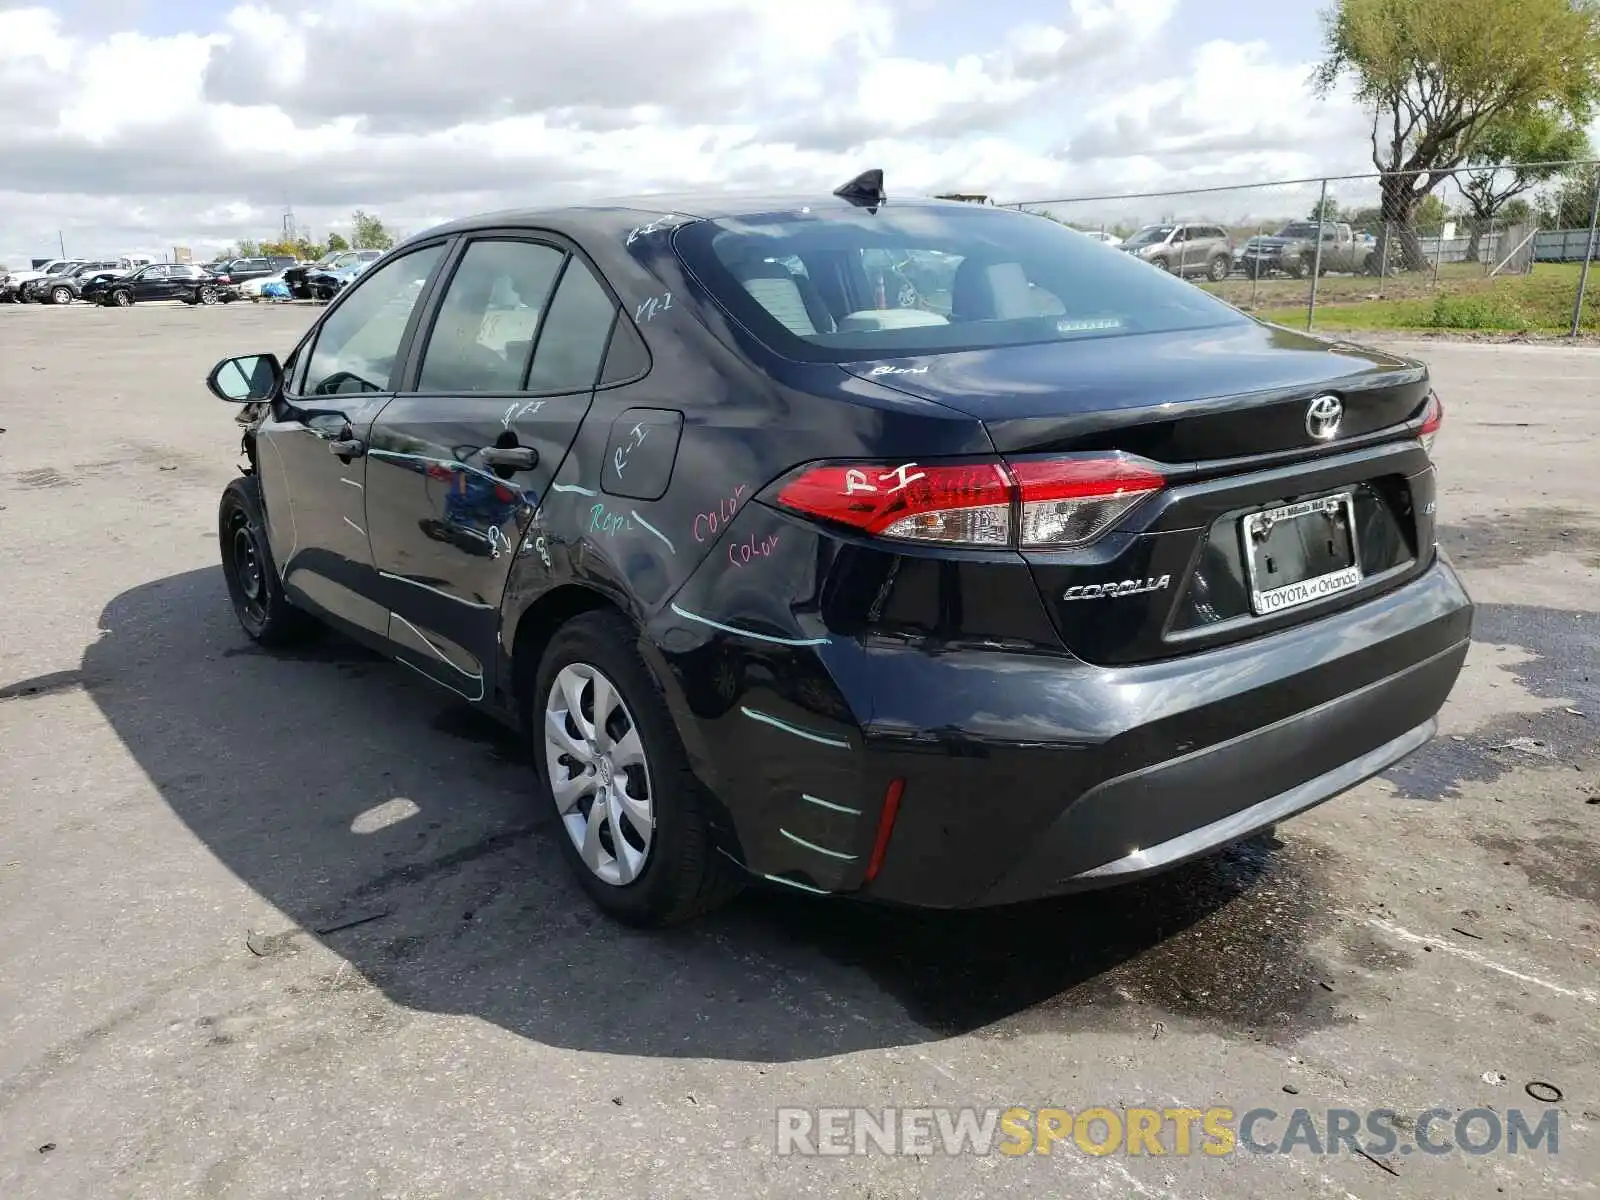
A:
[357,344]
[845,284]
[482,337]
[573,338]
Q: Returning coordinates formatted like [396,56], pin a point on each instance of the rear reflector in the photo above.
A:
[880,844]
[1061,503]
[1432,419]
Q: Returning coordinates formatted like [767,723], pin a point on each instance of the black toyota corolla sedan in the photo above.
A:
[1046,573]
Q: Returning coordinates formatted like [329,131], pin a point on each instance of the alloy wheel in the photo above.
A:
[599,774]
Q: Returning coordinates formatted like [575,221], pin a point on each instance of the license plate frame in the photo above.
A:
[1255,527]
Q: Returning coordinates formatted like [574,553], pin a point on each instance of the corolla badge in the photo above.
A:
[1115,589]
[1323,416]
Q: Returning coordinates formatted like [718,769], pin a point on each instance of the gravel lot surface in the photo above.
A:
[292,926]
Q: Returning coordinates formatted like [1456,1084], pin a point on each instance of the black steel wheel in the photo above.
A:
[252,578]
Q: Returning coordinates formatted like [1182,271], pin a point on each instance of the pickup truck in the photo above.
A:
[1293,251]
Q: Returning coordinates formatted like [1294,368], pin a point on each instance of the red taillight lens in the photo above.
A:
[1062,503]
[1432,419]
[1069,502]
[966,504]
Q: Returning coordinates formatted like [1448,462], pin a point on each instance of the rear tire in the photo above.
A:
[263,610]
[61,295]
[673,872]
[1221,266]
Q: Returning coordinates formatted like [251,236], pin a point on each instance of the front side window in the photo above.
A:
[358,343]
[1150,235]
[483,336]
[924,280]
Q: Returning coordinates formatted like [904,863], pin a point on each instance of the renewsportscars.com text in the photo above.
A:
[1213,1131]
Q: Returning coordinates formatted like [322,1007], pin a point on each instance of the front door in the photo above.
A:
[312,449]
[458,465]
[154,283]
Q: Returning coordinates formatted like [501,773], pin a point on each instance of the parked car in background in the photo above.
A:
[68,286]
[241,270]
[1100,235]
[1086,577]
[298,278]
[1292,251]
[328,282]
[1185,249]
[11,284]
[164,281]
[250,289]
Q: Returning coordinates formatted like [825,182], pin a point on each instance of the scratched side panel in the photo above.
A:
[766,725]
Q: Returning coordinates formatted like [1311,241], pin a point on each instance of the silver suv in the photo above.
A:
[1185,249]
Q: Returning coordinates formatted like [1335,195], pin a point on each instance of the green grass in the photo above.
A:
[1463,300]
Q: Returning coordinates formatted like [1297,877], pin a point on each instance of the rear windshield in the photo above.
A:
[839,286]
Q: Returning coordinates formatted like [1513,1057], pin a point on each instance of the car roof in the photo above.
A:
[603,215]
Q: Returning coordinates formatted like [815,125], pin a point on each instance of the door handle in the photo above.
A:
[348,448]
[518,458]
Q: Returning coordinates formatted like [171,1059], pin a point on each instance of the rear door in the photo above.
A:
[460,461]
[312,448]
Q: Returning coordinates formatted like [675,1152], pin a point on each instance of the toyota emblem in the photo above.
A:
[1323,416]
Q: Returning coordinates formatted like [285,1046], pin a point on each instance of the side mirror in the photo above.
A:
[248,379]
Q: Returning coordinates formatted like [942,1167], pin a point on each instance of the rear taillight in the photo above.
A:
[1432,418]
[968,504]
[1035,504]
[1069,502]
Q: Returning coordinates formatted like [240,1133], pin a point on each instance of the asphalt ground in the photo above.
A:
[293,926]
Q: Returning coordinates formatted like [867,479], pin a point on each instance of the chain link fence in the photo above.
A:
[1485,250]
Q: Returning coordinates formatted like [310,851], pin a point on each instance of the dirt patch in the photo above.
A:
[1506,539]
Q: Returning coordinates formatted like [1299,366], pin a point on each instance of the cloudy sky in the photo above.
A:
[137,125]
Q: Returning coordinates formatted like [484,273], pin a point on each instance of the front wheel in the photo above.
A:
[120,298]
[206,295]
[1162,264]
[635,822]
[252,578]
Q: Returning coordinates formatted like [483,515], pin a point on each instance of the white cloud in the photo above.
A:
[426,109]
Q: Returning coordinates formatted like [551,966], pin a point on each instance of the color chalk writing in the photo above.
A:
[741,553]
[706,524]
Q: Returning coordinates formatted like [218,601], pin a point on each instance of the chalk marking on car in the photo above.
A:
[800,841]
[634,514]
[572,487]
[821,803]
[767,719]
[434,590]
[760,637]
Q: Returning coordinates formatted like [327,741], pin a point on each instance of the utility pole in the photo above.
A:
[61,240]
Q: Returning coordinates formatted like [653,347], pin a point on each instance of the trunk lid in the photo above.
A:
[1227,392]
[1228,412]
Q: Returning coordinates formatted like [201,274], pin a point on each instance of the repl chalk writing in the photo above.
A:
[620,458]
[741,553]
[601,521]
[656,304]
[706,524]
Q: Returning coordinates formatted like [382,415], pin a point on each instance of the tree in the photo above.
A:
[368,232]
[1325,210]
[336,243]
[1568,205]
[1515,154]
[1434,74]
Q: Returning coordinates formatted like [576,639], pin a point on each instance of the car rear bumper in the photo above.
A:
[1025,775]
